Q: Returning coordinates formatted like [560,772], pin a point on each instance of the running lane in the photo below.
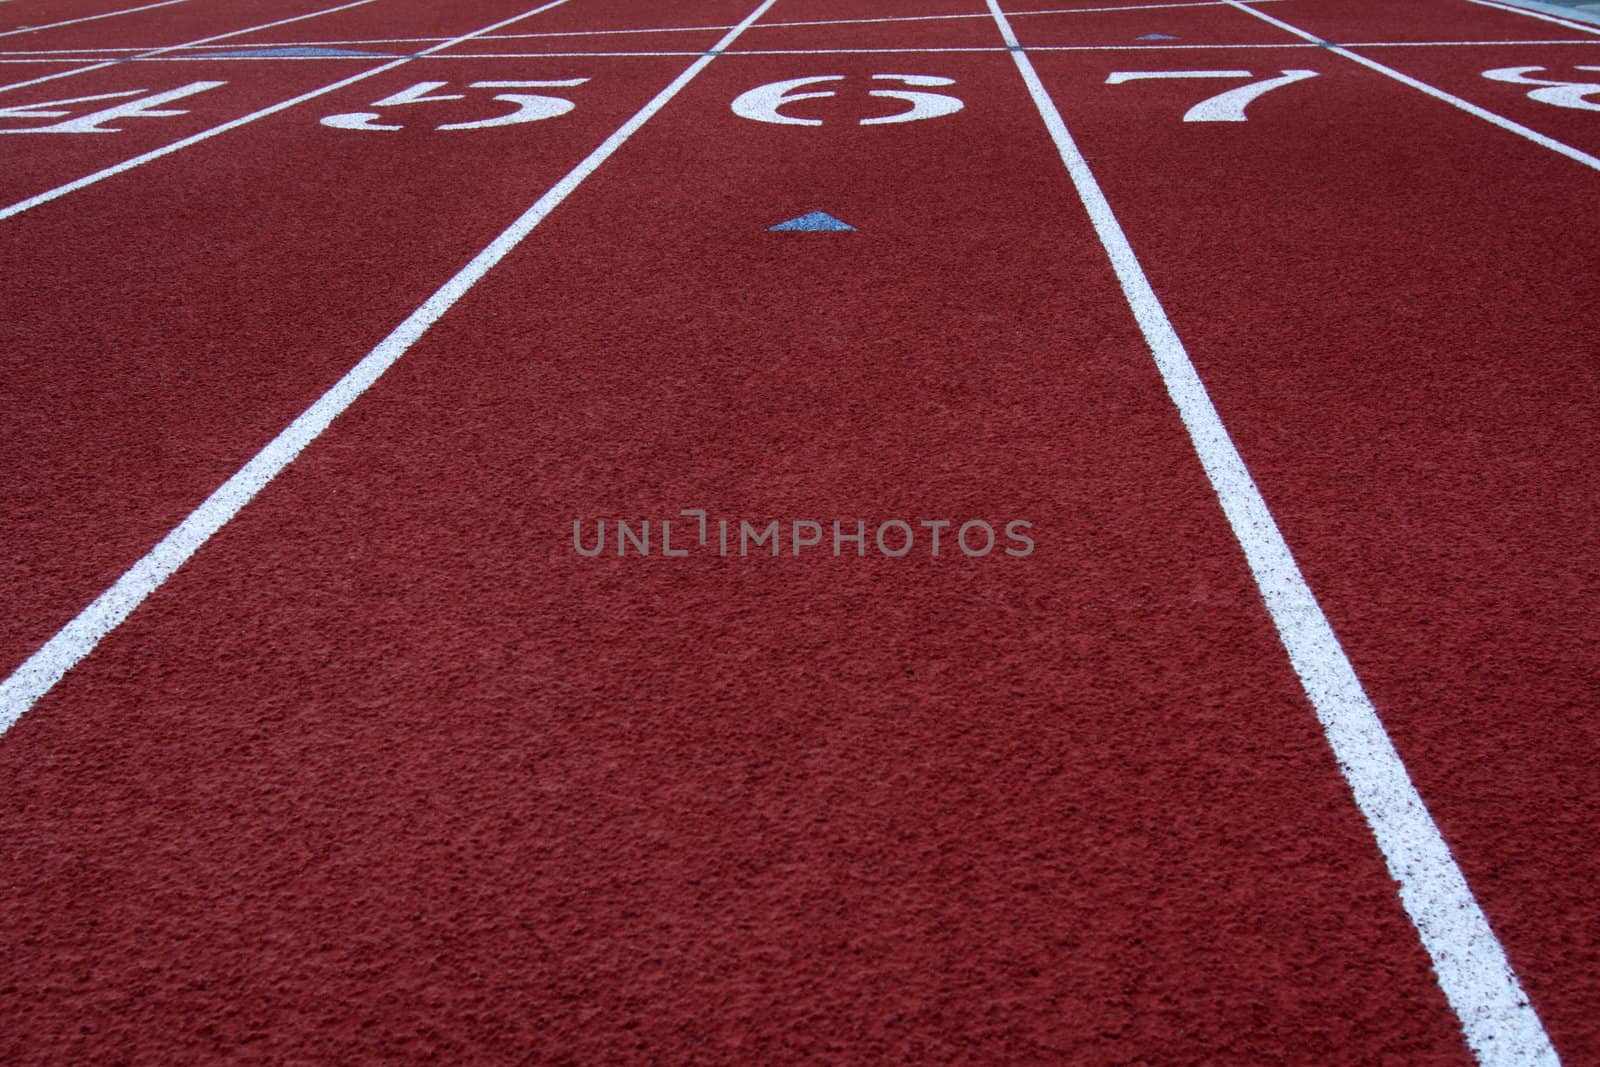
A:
[1496,78]
[165,323]
[391,770]
[1393,304]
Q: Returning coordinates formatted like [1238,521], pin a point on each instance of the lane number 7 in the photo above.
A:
[1224,107]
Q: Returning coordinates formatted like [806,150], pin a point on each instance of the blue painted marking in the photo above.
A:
[292,53]
[1157,37]
[814,222]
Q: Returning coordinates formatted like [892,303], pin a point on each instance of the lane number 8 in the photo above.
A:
[1560,93]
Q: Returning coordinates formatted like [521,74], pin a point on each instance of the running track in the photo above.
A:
[324,743]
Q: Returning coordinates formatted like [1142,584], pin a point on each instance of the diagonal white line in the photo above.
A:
[1438,94]
[189,44]
[43,52]
[79,637]
[619,54]
[1500,1025]
[283,105]
[90,18]
[1458,44]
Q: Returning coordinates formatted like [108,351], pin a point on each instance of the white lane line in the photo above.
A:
[5,57]
[46,52]
[79,637]
[204,135]
[866,51]
[1463,44]
[189,44]
[693,52]
[1500,1025]
[1586,27]
[946,18]
[610,33]
[1125,7]
[980,15]
[346,44]
[1438,94]
[826,51]
[86,55]
[90,18]
[824,22]
[574,55]
[731,52]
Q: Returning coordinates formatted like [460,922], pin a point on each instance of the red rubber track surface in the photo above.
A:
[1444,369]
[388,771]
[28,15]
[315,240]
[28,70]
[41,162]
[1349,21]
[962,34]
[624,15]
[164,27]
[1571,126]
[825,806]
[1189,26]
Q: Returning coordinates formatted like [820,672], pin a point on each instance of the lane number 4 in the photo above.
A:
[140,106]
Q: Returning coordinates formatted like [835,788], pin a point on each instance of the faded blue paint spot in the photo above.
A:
[814,222]
[300,52]
[1157,37]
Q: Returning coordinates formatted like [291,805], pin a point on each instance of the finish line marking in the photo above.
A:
[1499,1023]
[265,52]
[36,677]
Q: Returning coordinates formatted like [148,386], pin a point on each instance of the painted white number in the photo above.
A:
[1224,107]
[923,105]
[1559,93]
[531,107]
[761,104]
[144,107]
[764,102]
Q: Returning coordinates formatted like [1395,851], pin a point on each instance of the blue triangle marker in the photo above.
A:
[1156,37]
[296,52]
[814,222]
